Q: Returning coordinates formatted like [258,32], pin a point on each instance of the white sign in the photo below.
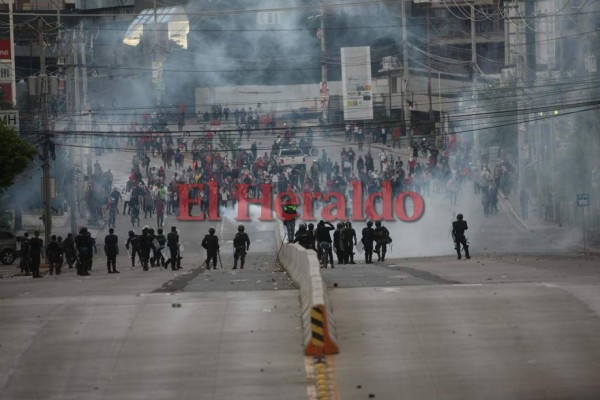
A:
[356,83]
[10,118]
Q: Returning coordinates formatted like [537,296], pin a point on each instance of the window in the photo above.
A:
[5,72]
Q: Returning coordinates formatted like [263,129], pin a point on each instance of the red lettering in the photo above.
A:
[213,201]
[339,206]
[386,196]
[418,206]
[357,201]
[307,200]
[264,201]
[185,202]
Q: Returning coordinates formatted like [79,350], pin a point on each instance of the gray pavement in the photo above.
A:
[242,345]
[512,341]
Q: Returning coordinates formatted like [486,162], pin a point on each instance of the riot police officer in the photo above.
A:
[349,241]
[241,244]
[146,246]
[173,245]
[302,236]
[458,234]
[382,236]
[211,244]
[111,249]
[161,240]
[368,237]
[134,242]
[36,250]
[85,247]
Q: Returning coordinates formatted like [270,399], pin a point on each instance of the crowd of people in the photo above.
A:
[164,159]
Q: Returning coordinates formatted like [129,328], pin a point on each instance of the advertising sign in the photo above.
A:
[5,49]
[356,83]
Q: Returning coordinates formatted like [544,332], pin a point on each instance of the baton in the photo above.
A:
[220,262]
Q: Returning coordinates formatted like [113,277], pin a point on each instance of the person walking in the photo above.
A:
[111,249]
[134,242]
[36,250]
[173,245]
[458,234]
[211,244]
[241,244]
[368,237]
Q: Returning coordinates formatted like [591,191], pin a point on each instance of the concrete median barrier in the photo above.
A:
[317,318]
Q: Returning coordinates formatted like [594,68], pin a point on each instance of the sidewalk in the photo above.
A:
[538,225]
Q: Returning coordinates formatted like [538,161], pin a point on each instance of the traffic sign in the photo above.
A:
[583,200]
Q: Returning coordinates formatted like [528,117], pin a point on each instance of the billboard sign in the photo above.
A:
[356,83]
[5,49]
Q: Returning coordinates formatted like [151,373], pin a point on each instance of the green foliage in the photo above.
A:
[15,156]
[228,141]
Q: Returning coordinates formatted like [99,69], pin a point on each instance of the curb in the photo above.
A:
[318,325]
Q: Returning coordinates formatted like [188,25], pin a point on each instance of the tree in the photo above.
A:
[15,156]
[227,142]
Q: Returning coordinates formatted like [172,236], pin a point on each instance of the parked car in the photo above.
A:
[8,247]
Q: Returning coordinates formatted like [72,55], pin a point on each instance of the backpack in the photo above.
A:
[384,237]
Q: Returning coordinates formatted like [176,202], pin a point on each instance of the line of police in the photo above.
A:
[344,240]
[78,251]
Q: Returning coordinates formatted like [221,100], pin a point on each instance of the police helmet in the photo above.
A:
[377,223]
[311,226]
[339,225]
[151,230]
[144,231]
[131,233]
[160,231]
[241,228]
[211,230]
[459,217]
[303,226]
[370,224]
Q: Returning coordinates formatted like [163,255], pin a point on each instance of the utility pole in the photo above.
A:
[324,61]
[13,86]
[46,187]
[431,119]
[405,75]
[476,145]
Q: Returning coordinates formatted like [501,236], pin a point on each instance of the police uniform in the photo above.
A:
[111,249]
[241,243]
[211,244]
[458,234]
